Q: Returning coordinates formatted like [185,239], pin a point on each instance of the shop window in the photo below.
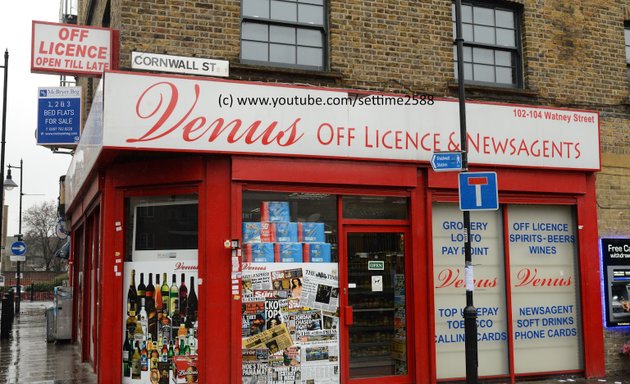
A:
[289,288]
[544,297]
[449,288]
[284,33]
[492,52]
[160,280]
[160,227]
[276,222]
[375,207]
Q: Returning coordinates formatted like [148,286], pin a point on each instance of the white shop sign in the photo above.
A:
[179,64]
[544,295]
[205,115]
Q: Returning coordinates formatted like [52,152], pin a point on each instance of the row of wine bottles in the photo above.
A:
[155,312]
[162,298]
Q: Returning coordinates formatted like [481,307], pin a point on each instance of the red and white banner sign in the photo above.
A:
[192,114]
[71,49]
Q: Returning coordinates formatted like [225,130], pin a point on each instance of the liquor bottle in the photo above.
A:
[150,294]
[170,354]
[181,332]
[144,359]
[165,328]
[132,295]
[130,325]
[192,342]
[142,289]
[164,354]
[176,348]
[135,363]
[150,307]
[154,358]
[182,347]
[165,292]
[173,297]
[143,318]
[183,297]
[126,358]
[158,296]
[191,310]
[176,319]
[138,335]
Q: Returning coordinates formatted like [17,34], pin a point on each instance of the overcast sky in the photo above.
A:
[42,168]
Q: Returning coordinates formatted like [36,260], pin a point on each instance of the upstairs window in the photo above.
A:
[284,33]
[492,51]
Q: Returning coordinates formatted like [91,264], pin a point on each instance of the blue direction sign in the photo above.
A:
[59,116]
[18,248]
[446,161]
[478,191]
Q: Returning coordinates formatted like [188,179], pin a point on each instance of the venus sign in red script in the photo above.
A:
[71,49]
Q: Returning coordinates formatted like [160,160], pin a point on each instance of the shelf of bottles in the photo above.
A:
[161,332]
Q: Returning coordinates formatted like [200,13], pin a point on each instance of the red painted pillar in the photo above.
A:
[594,353]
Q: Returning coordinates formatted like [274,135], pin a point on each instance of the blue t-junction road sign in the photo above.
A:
[478,191]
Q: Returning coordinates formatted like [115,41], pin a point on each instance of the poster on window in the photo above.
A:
[290,323]
[160,334]
[545,302]
[450,291]
[616,269]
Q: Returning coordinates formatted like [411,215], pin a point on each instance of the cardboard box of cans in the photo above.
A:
[276,239]
[283,232]
[251,232]
[311,232]
[316,252]
[274,211]
[259,252]
[287,252]
[270,232]
[185,369]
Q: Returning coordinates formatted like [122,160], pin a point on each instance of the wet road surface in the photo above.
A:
[27,358]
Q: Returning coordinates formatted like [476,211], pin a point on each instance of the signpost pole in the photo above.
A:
[19,237]
[470,313]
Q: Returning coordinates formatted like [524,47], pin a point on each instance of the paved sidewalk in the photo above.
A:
[26,358]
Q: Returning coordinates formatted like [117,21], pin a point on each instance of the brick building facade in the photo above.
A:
[567,55]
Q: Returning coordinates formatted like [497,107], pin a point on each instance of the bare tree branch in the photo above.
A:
[39,222]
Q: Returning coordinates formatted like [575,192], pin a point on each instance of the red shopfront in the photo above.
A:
[347,265]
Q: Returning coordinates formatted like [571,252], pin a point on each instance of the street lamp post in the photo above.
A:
[9,184]
[2,142]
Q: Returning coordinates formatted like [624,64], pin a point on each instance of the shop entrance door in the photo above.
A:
[375,307]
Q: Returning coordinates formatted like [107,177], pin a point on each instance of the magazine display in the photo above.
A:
[290,323]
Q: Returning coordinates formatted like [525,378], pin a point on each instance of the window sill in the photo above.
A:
[239,67]
[476,89]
